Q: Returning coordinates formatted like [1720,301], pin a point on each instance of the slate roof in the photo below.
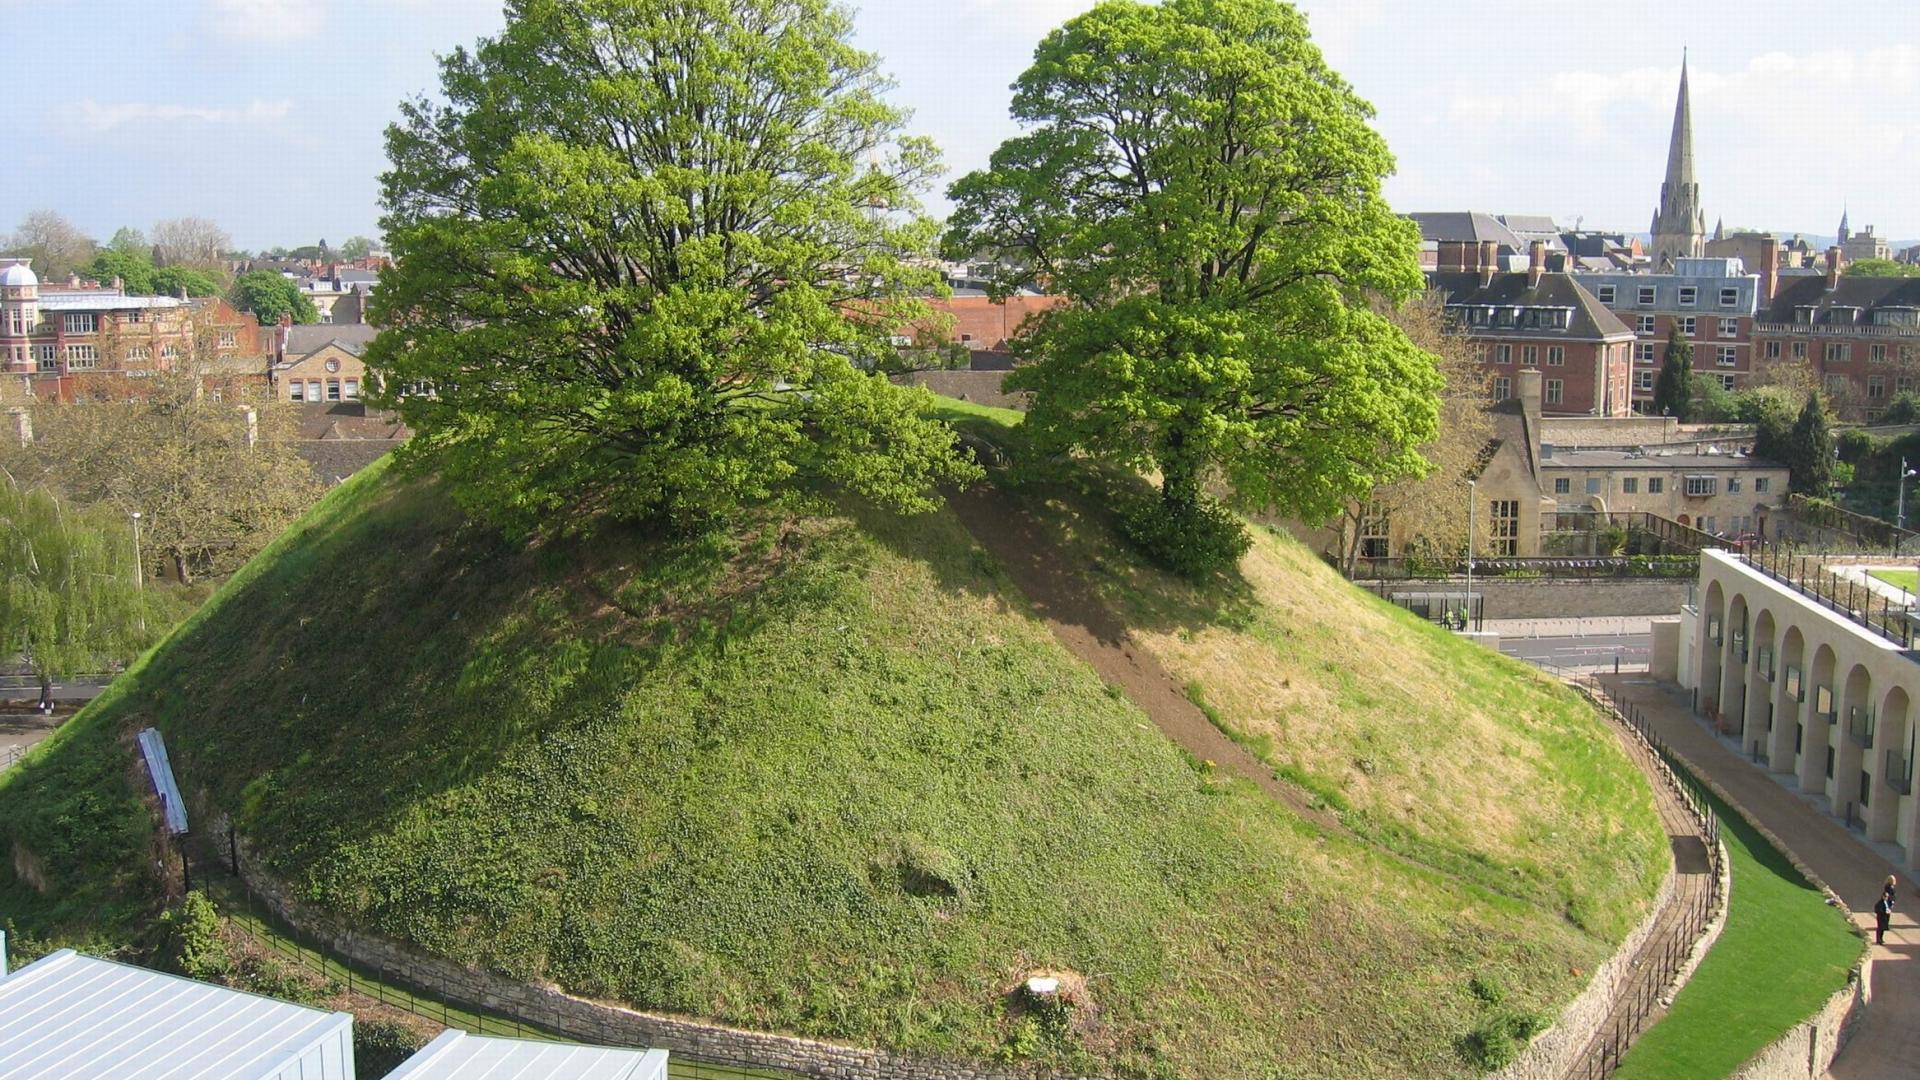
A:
[1466,225]
[1591,321]
[353,337]
[1866,293]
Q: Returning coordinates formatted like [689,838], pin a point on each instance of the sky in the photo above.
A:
[267,115]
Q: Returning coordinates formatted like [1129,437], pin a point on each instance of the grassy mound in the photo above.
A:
[830,775]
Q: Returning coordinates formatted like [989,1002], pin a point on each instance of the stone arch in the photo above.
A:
[1816,748]
[1736,651]
[1891,764]
[1789,703]
[1756,724]
[1713,637]
[1852,786]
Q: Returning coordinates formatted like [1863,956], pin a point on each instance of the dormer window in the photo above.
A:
[1689,295]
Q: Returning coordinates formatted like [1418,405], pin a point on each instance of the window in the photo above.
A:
[1726,382]
[1773,350]
[1562,485]
[313,389]
[226,339]
[1647,352]
[1504,530]
[1838,352]
[333,389]
[1877,354]
[1733,485]
[1593,485]
[1503,354]
[140,354]
[45,358]
[1529,355]
[82,357]
[1646,294]
[1688,324]
[1689,295]
[350,390]
[296,390]
[169,351]
[1656,484]
[1876,387]
[1799,350]
[1555,389]
[1729,327]
[1836,385]
[1761,484]
[1903,384]
[1728,356]
[1646,325]
[1374,525]
[1556,355]
[1502,388]
[1643,381]
[1630,485]
[1729,297]
[81,324]
[1605,294]
[1699,487]
[135,316]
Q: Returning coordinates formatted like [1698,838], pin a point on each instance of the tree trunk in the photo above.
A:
[180,567]
[46,694]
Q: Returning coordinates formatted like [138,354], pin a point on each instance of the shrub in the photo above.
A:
[1905,409]
[193,945]
[1194,543]
[379,1046]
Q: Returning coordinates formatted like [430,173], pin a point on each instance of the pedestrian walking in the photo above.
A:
[1883,912]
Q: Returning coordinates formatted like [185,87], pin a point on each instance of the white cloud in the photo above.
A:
[270,21]
[92,116]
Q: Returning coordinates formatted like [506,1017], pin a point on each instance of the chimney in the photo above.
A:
[1536,262]
[119,285]
[1769,268]
[1527,389]
[22,424]
[1833,268]
[250,416]
[1451,255]
[1489,255]
[73,280]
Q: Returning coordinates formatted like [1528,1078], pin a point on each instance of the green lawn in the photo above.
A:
[1782,954]
[1903,579]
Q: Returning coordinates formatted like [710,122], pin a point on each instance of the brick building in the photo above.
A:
[57,339]
[1537,320]
[1859,335]
[1712,302]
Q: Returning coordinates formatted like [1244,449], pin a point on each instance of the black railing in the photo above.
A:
[1869,532]
[1860,728]
[1811,577]
[1524,569]
[1898,772]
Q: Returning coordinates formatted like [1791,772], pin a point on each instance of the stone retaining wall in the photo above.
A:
[549,1008]
[1806,1052]
[1549,599]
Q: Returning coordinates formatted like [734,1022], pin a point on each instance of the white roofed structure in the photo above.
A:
[73,1017]
[456,1055]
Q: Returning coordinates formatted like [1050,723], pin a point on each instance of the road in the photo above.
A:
[1593,650]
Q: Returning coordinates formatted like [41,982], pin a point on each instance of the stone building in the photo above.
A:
[1711,302]
[1859,335]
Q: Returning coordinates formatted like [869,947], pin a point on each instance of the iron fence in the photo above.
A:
[1501,568]
[1869,531]
[1812,576]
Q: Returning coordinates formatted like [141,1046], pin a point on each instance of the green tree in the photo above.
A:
[270,295]
[650,253]
[56,246]
[1673,391]
[1206,191]
[128,240]
[1810,449]
[174,280]
[1712,402]
[355,247]
[133,268]
[1904,409]
[69,599]
[1882,268]
[1772,414]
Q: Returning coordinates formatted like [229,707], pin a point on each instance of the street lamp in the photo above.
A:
[1900,516]
[1472,494]
[139,581]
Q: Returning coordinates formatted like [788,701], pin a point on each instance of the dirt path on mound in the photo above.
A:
[1096,635]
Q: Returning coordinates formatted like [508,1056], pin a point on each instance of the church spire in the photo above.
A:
[1679,225]
[1845,232]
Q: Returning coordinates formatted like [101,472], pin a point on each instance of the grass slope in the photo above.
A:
[829,775]
[1750,989]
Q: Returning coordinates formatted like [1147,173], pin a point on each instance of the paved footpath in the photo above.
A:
[1887,1044]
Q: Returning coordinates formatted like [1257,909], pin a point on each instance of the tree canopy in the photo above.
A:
[1206,192]
[56,245]
[270,295]
[649,254]
[1810,449]
[70,602]
[1673,391]
[1881,268]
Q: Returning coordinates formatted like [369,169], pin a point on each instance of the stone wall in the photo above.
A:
[547,1007]
[1546,599]
[1806,1052]
[979,387]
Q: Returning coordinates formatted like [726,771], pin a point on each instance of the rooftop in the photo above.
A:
[456,1055]
[75,1017]
[1689,458]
